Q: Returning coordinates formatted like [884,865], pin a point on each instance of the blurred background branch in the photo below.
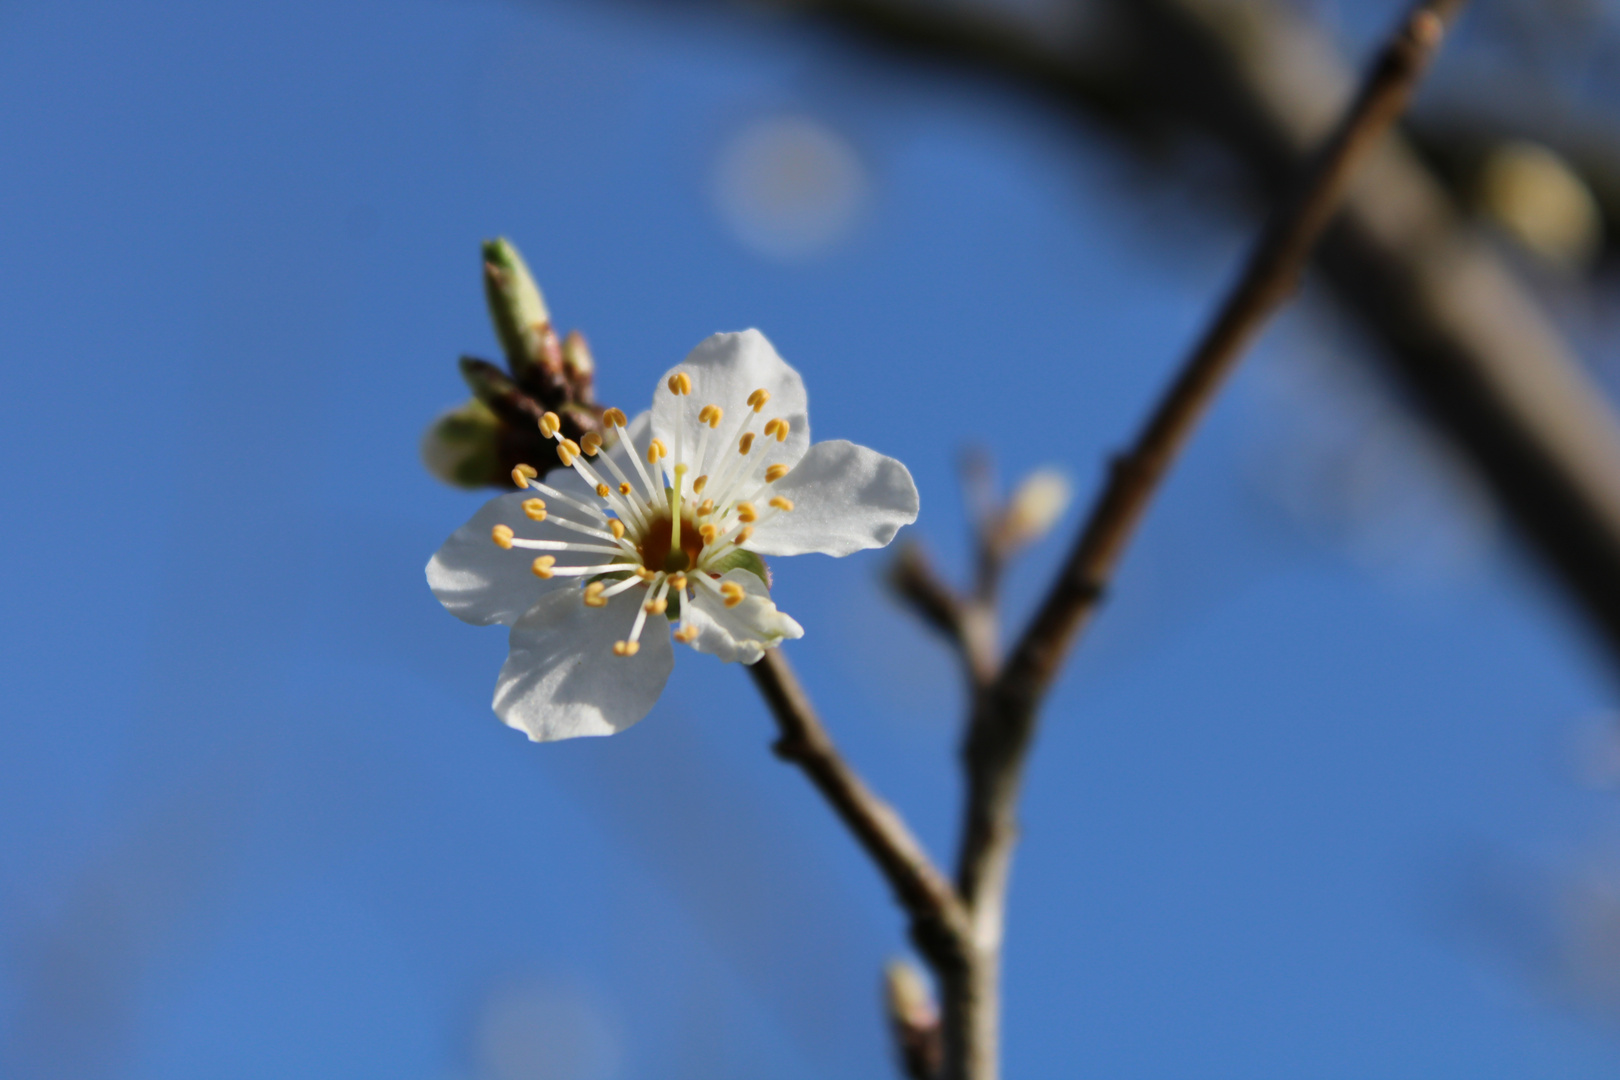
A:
[1459,325]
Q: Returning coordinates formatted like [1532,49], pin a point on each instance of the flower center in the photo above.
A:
[658,553]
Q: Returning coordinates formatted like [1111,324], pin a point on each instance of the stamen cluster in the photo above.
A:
[674,528]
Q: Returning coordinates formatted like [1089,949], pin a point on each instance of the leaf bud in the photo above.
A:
[522,321]
[461,446]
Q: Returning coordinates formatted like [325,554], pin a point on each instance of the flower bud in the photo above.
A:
[578,364]
[461,446]
[914,1018]
[1034,508]
[519,312]
[578,367]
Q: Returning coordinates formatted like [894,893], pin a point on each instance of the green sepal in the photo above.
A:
[741,559]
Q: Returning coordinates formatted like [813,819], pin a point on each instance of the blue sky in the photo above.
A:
[1301,806]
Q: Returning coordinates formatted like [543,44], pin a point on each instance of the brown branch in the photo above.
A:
[1466,337]
[939,924]
[1004,715]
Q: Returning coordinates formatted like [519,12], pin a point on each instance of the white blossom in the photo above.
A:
[660,536]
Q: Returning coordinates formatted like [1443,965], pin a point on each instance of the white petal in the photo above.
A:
[724,370]
[481,583]
[743,632]
[845,498]
[562,680]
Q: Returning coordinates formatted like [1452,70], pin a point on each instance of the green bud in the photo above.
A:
[519,312]
[460,447]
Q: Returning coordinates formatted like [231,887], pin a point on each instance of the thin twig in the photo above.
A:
[939,923]
[913,578]
[1003,720]
[968,623]
[987,516]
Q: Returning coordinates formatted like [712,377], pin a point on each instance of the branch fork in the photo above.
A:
[957,926]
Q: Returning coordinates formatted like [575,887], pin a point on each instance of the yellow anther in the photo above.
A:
[699,484]
[775,473]
[743,534]
[687,636]
[680,383]
[570,445]
[550,423]
[732,592]
[746,443]
[782,504]
[542,566]
[746,512]
[626,648]
[535,508]
[616,527]
[645,574]
[522,474]
[758,398]
[705,508]
[615,418]
[603,490]
[564,454]
[591,443]
[655,450]
[777,427]
[709,532]
[593,595]
[655,607]
[677,583]
[502,535]
[710,414]
[624,489]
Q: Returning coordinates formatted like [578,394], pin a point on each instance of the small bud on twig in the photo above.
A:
[1037,505]
[480,446]
[914,1019]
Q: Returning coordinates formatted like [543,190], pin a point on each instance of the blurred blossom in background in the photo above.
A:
[789,187]
[1304,804]
[539,1032]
